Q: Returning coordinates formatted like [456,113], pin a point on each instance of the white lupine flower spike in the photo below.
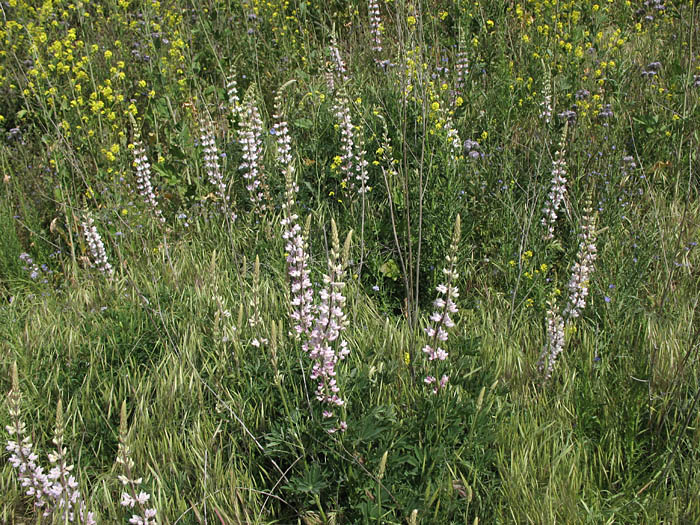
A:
[133,497]
[56,493]
[250,137]
[96,247]
[143,178]
[579,282]
[557,192]
[441,320]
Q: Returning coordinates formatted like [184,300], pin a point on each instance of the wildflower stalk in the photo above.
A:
[143,178]
[578,286]
[65,487]
[234,101]
[461,67]
[341,111]
[353,165]
[584,265]
[302,311]
[557,190]
[340,71]
[555,340]
[546,103]
[57,493]
[325,347]
[250,137]
[440,320]
[376,28]
[130,498]
[31,476]
[96,247]
[211,162]
[375,25]
[301,303]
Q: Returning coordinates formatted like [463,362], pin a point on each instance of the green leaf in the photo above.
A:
[303,123]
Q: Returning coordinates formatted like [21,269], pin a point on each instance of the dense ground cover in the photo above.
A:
[371,262]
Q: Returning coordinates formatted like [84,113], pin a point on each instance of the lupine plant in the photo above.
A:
[211,161]
[325,346]
[578,288]
[133,497]
[55,494]
[143,178]
[301,301]
[555,340]
[96,247]
[440,319]
[250,138]
[557,191]
[579,283]
[460,106]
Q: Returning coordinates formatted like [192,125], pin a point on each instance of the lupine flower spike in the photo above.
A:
[353,166]
[340,72]
[143,178]
[376,28]
[583,268]
[375,25]
[555,340]
[325,347]
[301,302]
[54,494]
[65,487]
[96,247]
[462,67]
[234,101]
[557,190]
[341,111]
[546,104]
[31,476]
[132,498]
[250,137]
[440,320]
[211,161]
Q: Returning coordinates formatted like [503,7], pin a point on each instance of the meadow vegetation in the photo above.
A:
[393,261]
